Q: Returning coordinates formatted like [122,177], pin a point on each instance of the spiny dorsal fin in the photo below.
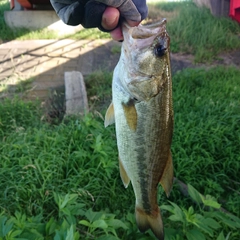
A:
[167,177]
[109,117]
[123,174]
[130,113]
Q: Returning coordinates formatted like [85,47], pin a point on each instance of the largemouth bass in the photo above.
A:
[143,114]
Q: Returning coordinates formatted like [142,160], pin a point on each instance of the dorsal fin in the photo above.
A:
[167,177]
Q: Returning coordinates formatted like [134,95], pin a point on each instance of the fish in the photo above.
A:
[142,111]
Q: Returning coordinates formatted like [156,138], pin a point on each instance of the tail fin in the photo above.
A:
[153,221]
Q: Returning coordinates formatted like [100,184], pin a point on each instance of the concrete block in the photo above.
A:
[75,93]
[35,20]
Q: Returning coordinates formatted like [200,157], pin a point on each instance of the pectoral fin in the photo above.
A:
[130,113]
[109,117]
[123,174]
[167,177]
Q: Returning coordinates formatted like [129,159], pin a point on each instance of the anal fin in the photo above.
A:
[123,174]
[167,177]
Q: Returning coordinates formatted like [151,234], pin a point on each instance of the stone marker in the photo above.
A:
[75,93]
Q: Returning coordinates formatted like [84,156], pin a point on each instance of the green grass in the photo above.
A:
[99,90]
[168,6]
[194,30]
[63,180]
[197,32]
[8,34]
[207,126]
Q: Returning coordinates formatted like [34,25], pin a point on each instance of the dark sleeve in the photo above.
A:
[89,13]
[135,10]
[75,12]
[70,12]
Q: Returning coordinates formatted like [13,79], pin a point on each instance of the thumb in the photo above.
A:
[110,18]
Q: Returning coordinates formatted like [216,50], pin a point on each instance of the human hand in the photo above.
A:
[104,14]
[110,20]
[111,11]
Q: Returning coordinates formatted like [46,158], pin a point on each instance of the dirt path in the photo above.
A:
[38,66]
[181,61]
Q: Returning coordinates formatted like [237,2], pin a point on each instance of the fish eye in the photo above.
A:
[159,50]
[135,100]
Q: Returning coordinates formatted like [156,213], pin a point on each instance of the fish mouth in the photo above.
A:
[144,33]
[145,54]
[149,30]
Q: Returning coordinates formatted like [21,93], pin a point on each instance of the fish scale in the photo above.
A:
[142,111]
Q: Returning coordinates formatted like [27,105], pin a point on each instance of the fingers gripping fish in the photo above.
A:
[143,114]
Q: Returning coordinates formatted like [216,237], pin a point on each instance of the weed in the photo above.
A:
[196,31]
[202,224]
[25,34]
[207,125]
[99,89]
[62,181]
[168,6]
[7,33]
[16,116]
[116,49]
[192,30]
